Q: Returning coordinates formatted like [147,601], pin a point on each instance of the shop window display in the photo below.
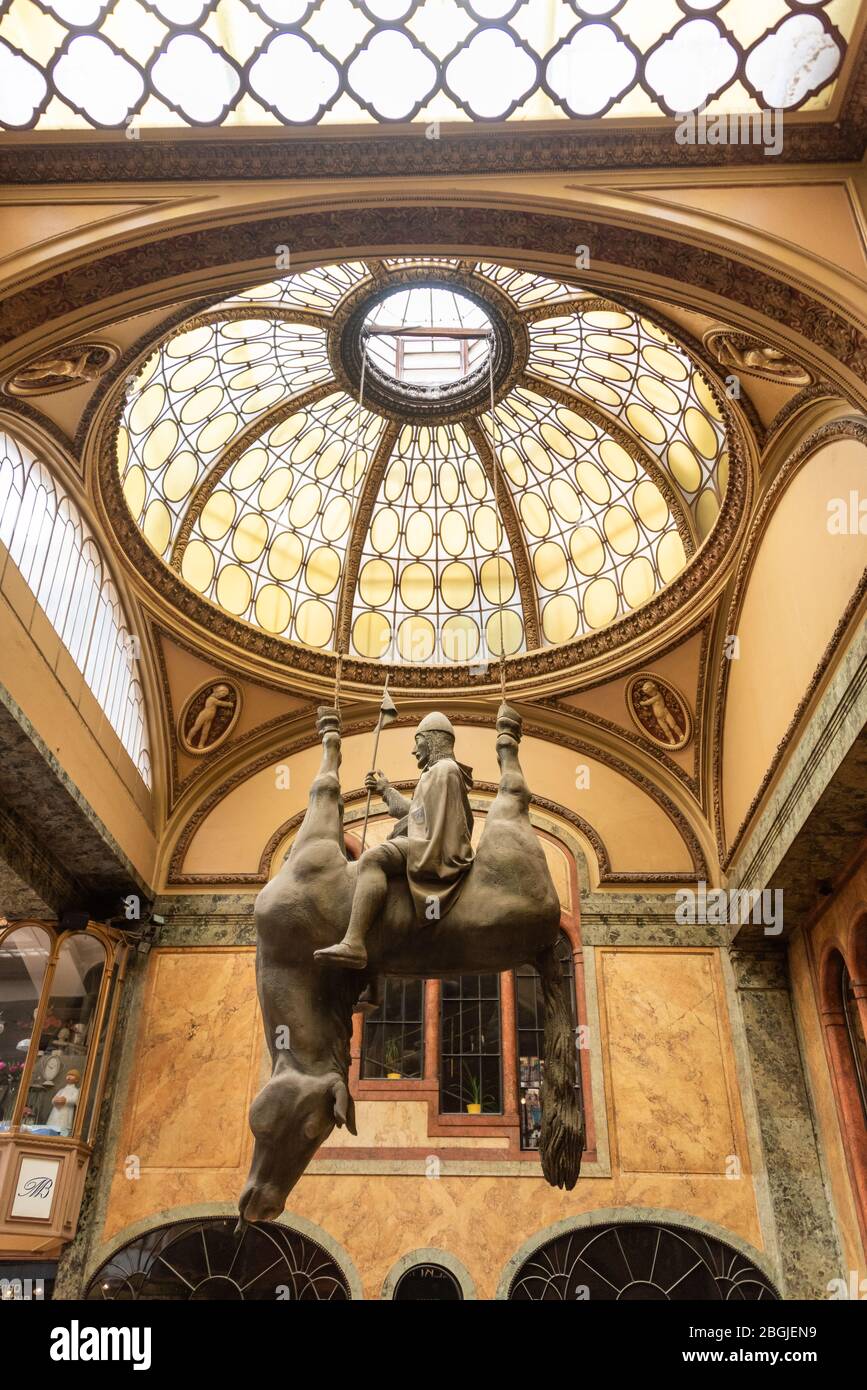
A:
[56,996]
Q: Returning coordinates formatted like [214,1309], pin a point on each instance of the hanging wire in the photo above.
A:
[500,523]
[338,675]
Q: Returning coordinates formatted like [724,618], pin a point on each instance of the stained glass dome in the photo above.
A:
[411,523]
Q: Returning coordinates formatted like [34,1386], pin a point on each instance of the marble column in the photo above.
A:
[809,1252]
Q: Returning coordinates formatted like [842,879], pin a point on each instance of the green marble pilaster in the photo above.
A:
[808,1250]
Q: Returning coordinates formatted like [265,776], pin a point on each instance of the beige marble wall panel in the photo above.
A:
[196,1068]
[669,1062]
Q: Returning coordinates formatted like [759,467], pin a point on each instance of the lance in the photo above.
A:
[387,715]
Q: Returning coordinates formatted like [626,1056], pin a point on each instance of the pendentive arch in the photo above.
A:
[193,809]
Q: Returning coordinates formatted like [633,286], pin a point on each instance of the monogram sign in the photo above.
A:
[34,1193]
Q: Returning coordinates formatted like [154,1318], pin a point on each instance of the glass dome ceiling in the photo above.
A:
[252,470]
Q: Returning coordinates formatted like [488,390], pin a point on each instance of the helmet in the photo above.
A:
[435,724]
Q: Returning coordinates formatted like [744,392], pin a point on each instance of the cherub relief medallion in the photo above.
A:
[209,715]
[64,367]
[660,711]
[743,353]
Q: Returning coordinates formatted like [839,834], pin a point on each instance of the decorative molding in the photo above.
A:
[404,151]
[834,429]
[676,697]
[473,719]
[511,346]
[78,363]
[195,704]
[14,406]
[818,391]
[392,225]
[743,352]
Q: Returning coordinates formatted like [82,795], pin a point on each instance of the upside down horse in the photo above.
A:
[506,915]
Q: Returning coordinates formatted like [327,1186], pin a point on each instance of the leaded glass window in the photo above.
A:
[91,64]
[471,1077]
[393,1040]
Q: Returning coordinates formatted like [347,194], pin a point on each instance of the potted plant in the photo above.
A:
[473,1088]
[392,1060]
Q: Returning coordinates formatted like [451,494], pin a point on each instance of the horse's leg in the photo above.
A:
[561,1142]
[513,796]
[323,819]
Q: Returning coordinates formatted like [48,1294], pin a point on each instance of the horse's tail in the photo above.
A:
[562,1138]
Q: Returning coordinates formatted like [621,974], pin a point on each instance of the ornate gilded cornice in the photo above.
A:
[834,429]
[405,151]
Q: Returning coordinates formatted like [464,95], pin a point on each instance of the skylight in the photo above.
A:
[155,64]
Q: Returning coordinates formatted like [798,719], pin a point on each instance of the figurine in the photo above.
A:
[62,1114]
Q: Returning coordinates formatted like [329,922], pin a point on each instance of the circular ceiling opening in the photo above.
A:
[427,337]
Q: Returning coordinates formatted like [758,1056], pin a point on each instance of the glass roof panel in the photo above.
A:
[73,64]
[435,565]
[634,371]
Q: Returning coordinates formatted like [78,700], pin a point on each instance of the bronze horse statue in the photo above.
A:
[508,913]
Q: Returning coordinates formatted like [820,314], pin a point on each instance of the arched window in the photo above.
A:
[638,1261]
[855,1031]
[203,1261]
[530,1033]
[59,559]
[427,1283]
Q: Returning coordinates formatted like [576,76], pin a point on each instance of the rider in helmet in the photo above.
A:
[431,843]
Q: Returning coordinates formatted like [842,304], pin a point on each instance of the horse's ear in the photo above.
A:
[344,1107]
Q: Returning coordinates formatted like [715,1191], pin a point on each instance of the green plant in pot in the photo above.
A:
[392,1060]
[472,1087]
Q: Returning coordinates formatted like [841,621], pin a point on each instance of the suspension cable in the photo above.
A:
[499,522]
[338,675]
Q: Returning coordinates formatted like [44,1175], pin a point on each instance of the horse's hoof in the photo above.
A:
[342,955]
[327,720]
[509,722]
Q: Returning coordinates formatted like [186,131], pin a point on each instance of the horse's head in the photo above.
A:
[290,1118]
